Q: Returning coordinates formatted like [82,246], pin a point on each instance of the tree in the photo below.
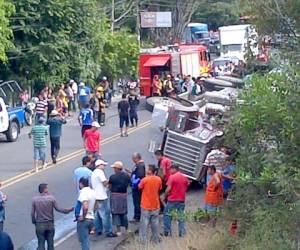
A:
[56,40]
[120,55]
[6,10]
[217,13]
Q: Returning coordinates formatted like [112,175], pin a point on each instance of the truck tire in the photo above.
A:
[28,118]
[12,133]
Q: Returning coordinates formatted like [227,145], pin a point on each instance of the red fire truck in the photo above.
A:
[187,59]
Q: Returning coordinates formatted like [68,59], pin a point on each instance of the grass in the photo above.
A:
[198,237]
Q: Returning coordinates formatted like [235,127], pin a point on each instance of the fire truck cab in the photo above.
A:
[187,59]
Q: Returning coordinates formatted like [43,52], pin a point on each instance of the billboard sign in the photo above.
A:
[156,19]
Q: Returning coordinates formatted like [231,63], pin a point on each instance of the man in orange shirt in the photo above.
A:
[214,194]
[150,205]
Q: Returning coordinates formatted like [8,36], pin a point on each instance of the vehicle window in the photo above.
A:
[232,47]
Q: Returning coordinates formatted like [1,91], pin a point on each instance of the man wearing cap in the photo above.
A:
[99,184]
[39,133]
[55,123]
[92,139]
[177,186]
[84,95]
[85,118]
[118,184]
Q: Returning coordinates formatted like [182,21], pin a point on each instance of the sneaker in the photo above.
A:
[166,234]
[119,234]
[44,165]
[111,235]
[54,160]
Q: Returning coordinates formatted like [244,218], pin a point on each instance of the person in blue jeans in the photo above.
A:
[84,213]
[177,186]
[99,184]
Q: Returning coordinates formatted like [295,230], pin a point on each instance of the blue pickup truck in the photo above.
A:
[12,119]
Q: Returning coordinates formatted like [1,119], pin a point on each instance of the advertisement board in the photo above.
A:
[156,19]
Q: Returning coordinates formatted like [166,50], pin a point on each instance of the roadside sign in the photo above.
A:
[156,19]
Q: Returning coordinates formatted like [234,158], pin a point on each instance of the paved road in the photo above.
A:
[16,158]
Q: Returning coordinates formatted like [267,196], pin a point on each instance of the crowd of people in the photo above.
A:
[173,86]
[51,115]
[102,203]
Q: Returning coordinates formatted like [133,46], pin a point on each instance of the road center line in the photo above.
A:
[27,174]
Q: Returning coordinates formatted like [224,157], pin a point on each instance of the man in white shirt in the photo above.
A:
[84,213]
[99,185]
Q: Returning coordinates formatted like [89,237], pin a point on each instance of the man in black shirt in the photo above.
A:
[118,184]
[123,109]
[137,174]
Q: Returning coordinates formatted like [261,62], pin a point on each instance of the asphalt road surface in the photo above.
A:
[16,159]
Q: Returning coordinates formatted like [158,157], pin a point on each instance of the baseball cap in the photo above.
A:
[118,165]
[96,124]
[100,162]
[81,84]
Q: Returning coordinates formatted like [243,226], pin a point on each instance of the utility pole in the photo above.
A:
[112,16]
[138,24]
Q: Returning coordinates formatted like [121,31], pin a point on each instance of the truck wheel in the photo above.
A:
[28,118]
[12,133]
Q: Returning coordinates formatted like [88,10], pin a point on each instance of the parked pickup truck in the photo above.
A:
[11,121]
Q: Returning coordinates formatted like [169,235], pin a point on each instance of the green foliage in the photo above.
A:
[6,10]
[266,133]
[57,40]
[120,54]
[217,13]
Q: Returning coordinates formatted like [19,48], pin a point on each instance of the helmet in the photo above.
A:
[104,78]
[100,89]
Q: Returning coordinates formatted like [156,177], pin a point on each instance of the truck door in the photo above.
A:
[3,116]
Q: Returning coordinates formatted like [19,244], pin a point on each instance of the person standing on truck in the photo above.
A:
[39,133]
[123,109]
[177,186]
[55,122]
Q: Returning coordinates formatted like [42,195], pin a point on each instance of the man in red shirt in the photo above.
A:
[92,139]
[177,186]
[150,205]
[164,163]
